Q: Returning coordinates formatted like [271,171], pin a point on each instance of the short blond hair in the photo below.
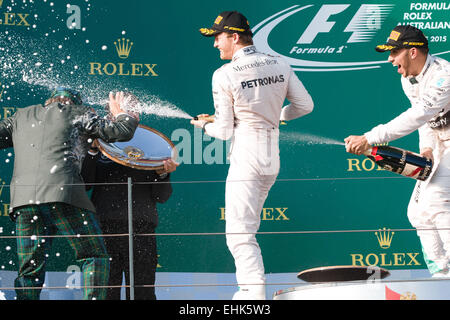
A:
[245,39]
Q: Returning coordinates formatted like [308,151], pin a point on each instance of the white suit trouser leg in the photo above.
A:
[244,200]
[429,213]
[254,166]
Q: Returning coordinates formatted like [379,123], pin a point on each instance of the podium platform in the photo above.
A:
[419,289]
[363,283]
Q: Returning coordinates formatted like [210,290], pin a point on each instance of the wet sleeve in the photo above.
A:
[300,100]
[163,190]
[89,168]
[435,100]
[120,129]
[427,137]
[6,129]
[223,125]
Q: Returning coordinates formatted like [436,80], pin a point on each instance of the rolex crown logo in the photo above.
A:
[123,47]
[384,237]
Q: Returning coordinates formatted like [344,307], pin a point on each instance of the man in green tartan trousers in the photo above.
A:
[47,192]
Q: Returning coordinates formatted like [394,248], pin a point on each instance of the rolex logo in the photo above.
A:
[13,18]
[384,237]
[386,259]
[124,68]
[123,47]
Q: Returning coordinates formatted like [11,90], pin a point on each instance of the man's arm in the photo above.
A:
[89,167]
[300,100]
[223,125]
[435,99]
[6,129]
[120,129]
[427,141]
[158,187]
[161,192]
[356,144]
[432,103]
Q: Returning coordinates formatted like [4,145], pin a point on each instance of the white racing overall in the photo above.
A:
[249,93]
[429,207]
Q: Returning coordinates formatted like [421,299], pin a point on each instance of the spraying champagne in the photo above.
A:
[212,118]
[404,162]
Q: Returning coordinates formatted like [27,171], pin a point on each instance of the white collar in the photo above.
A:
[245,51]
[426,67]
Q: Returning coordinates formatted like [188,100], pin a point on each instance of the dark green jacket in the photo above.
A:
[49,146]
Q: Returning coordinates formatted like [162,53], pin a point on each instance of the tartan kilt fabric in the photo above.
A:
[34,223]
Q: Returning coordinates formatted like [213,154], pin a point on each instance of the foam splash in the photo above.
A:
[153,105]
[26,61]
[308,139]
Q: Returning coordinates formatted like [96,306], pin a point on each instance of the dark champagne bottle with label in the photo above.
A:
[404,162]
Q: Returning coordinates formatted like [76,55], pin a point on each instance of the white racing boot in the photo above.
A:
[255,292]
[441,274]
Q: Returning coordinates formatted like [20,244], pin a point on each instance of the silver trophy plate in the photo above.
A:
[146,150]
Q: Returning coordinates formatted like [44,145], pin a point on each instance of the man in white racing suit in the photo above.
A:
[426,82]
[249,93]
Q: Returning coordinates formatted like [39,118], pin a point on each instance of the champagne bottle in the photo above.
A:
[404,162]
[207,119]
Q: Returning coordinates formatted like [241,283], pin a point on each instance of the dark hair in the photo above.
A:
[424,50]
[71,94]
[61,100]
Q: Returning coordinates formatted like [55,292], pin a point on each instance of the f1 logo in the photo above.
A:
[363,25]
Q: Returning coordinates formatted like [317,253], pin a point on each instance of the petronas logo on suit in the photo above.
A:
[123,49]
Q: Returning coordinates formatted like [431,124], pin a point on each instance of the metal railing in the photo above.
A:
[131,285]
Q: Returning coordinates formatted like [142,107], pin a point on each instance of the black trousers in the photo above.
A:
[144,253]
